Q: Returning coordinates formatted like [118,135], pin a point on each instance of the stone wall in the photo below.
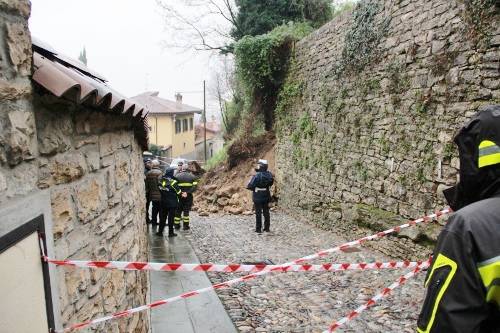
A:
[91,164]
[369,110]
[93,167]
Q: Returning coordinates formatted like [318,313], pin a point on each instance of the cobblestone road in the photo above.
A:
[300,302]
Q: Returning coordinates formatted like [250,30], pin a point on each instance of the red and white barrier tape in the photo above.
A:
[386,291]
[231,268]
[254,275]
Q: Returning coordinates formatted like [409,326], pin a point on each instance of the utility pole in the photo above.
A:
[204,122]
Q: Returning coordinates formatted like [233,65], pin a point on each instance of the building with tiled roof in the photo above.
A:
[171,123]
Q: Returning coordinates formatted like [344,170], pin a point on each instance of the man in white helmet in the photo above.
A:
[259,185]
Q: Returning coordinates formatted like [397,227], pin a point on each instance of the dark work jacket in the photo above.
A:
[259,185]
[463,284]
[169,191]
[152,191]
[187,181]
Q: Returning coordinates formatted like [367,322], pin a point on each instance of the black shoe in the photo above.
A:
[159,234]
[172,235]
[258,231]
[267,230]
[177,226]
[185,227]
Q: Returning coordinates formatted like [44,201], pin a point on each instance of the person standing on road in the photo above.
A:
[463,283]
[152,191]
[259,185]
[170,193]
[187,183]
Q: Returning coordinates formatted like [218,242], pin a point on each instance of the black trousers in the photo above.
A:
[262,208]
[185,205]
[156,211]
[147,209]
[167,213]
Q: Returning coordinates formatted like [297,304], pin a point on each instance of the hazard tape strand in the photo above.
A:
[226,284]
[384,293]
[231,268]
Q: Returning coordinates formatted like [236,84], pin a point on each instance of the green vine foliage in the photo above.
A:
[478,14]
[262,60]
[262,63]
[363,37]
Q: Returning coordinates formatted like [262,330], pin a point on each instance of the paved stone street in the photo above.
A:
[300,302]
[189,315]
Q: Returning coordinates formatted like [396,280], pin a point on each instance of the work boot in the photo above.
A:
[185,227]
[177,226]
[267,230]
[172,234]
[258,231]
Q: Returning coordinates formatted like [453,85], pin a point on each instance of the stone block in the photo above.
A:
[54,132]
[19,47]
[22,7]
[76,281]
[11,91]
[20,137]
[91,198]
[67,168]
[121,244]
[78,241]
[93,160]
[63,211]
[84,140]
[122,169]
[108,143]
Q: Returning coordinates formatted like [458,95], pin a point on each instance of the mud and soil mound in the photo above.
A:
[223,189]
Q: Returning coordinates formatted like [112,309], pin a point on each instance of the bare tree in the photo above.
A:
[223,83]
[199,24]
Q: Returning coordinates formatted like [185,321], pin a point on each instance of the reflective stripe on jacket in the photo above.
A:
[170,192]
[463,284]
[187,181]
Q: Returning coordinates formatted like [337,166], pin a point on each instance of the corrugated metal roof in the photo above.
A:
[159,105]
[71,79]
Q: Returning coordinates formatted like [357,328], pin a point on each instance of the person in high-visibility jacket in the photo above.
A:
[170,193]
[463,283]
[187,183]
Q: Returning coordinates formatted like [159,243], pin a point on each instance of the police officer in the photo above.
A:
[187,183]
[170,193]
[463,284]
[259,185]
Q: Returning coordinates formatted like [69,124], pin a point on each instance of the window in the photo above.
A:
[190,124]
[184,124]
[177,126]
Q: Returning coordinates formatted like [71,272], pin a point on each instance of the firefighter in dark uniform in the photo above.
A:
[187,183]
[259,185]
[463,284]
[170,193]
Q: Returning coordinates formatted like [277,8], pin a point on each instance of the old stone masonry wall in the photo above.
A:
[370,107]
[93,167]
[91,164]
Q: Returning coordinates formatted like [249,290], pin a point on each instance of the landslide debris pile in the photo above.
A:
[223,189]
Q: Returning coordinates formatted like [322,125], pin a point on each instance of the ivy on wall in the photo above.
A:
[363,37]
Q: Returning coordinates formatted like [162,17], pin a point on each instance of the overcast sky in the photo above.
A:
[123,39]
